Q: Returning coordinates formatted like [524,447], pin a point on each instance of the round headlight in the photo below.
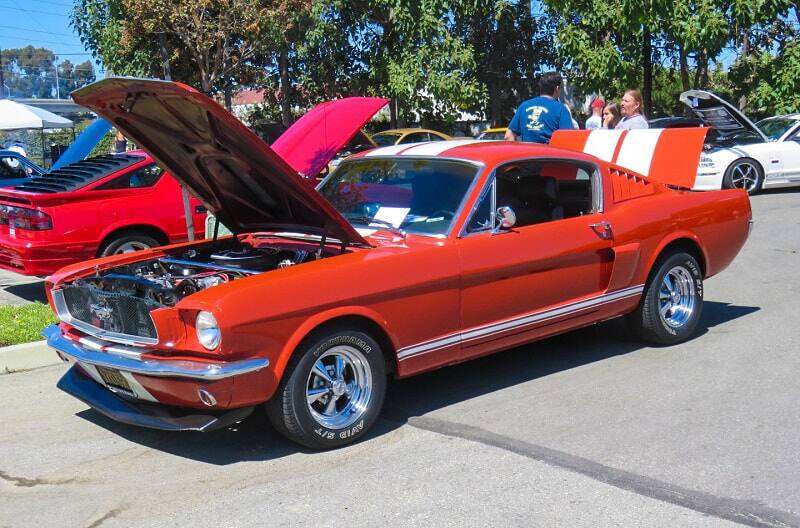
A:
[207,330]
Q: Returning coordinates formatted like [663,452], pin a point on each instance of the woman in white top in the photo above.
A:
[631,109]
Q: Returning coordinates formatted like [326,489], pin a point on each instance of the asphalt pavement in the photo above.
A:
[586,429]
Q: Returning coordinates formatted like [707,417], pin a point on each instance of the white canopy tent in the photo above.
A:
[18,116]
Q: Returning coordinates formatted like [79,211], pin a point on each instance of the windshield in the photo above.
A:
[775,127]
[384,140]
[417,196]
[493,135]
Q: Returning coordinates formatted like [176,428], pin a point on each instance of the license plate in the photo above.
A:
[114,378]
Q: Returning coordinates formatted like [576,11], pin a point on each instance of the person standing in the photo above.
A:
[596,121]
[611,116]
[631,110]
[120,143]
[536,119]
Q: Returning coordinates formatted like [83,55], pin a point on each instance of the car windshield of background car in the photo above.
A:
[775,128]
[384,140]
[417,196]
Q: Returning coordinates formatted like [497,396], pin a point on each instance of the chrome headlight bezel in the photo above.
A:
[208,332]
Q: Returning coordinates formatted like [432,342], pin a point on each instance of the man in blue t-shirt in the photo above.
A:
[536,119]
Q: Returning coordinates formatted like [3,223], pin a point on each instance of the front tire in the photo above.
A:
[332,391]
[744,174]
[672,301]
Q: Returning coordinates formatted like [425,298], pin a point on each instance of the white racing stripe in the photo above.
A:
[502,326]
[387,151]
[602,143]
[434,148]
[637,150]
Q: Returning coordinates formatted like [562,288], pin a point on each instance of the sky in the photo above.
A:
[42,23]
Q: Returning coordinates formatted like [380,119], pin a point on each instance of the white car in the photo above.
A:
[743,154]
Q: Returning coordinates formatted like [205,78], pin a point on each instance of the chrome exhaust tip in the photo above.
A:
[206,397]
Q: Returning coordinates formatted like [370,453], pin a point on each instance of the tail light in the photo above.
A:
[23,218]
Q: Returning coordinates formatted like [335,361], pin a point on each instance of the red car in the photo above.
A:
[408,259]
[91,208]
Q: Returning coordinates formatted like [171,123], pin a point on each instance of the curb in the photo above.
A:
[27,356]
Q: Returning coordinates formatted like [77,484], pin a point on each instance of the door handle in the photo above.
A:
[602,228]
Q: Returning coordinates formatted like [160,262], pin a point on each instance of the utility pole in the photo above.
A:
[187,206]
[58,92]
[2,80]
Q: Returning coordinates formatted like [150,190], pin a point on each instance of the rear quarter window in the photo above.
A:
[144,177]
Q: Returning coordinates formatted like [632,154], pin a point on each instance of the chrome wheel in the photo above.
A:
[133,245]
[676,297]
[745,175]
[339,387]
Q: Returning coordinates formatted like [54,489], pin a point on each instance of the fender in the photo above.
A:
[313,322]
[646,267]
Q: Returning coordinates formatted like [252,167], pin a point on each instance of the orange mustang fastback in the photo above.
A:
[407,258]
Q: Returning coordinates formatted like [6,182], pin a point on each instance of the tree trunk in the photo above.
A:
[494,103]
[393,113]
[286,109]
[647,69]
[228,92]
[684,62]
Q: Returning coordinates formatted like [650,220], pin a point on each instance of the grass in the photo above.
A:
[23,324]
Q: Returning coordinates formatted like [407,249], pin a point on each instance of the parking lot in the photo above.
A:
[585,429]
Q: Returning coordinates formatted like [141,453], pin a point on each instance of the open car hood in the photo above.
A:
[317,137]
[238,177]
[715,112]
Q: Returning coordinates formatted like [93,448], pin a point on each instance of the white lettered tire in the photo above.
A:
[332,391]
[672,301]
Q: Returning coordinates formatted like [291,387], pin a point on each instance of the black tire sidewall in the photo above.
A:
[311,432]
[110,247]
[654,327]
[727,180]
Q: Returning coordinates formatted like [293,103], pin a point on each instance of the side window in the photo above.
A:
[540,191]
[483,217]
[434,137]
[144,177]
[415,137]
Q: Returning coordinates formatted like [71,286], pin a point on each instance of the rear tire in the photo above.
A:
[744,174]
[672,301]
[126,243]
[332,390]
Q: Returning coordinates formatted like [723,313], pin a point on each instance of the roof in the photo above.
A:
[406,131]
[80,174]
[18,116]
[489,152]
[246,97]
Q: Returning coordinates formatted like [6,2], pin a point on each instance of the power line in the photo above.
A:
[42,40]
[53,3]
[38,31]
[33,11]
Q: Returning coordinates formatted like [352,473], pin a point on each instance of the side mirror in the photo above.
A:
[505,218]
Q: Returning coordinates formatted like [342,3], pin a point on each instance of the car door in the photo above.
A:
[554,264]
[789,152]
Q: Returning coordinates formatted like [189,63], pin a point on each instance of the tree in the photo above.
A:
[31,72]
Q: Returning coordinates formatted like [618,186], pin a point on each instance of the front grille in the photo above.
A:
[111,312]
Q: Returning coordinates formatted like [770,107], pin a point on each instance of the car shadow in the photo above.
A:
[255,440]
[29,291]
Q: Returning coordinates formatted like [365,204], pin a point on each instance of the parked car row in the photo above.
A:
[405,259]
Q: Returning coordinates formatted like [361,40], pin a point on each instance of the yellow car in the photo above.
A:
[493,133]
[397,136]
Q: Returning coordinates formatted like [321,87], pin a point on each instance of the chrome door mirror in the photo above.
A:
[505,218]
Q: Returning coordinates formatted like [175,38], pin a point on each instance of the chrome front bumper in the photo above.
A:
[129,359]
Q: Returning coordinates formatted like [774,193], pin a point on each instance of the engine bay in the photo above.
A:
[165,280]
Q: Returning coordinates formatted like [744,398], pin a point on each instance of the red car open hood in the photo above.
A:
[317,137]
[244,182]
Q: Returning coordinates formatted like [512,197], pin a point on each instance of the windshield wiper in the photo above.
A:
[365,220]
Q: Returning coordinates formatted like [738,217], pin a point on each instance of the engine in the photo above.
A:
[166,280]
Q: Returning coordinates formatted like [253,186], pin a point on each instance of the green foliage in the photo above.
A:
[24,324]
[31,72]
